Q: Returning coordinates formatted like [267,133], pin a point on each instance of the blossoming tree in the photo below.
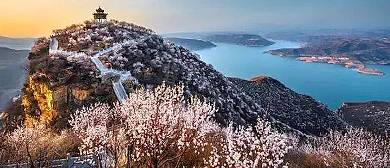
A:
[158,128]
[250,147]
[155,127]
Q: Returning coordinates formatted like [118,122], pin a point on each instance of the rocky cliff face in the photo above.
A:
[63,80]
[299,111]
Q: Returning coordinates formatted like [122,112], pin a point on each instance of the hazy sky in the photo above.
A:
[34,18]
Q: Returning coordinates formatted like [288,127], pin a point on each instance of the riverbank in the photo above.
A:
[343,61]
[370,71]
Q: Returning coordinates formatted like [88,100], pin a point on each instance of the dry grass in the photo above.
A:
[39,144]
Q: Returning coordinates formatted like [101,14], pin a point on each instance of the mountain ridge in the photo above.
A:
[17,43]
[191,44]
[249,40]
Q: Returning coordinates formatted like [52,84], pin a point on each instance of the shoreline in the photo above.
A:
[370,71]
[341,60]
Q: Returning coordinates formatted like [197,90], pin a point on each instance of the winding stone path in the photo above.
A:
[119,90]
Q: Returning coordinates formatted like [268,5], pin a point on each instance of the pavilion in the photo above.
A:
[100,15]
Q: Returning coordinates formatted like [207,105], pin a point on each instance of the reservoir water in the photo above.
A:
[329,84]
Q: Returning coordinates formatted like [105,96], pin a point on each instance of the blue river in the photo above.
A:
[329,84]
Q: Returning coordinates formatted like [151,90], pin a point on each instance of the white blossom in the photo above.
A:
[157,124]
[355,148]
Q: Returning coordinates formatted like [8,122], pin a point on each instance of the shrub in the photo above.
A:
[355,148]
[247,147]
[37,144]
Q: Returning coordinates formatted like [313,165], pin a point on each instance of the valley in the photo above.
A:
[12,74]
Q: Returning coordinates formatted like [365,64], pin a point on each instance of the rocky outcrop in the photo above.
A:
[298,111]
[373,116]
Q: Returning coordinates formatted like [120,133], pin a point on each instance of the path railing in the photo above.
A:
[89,161]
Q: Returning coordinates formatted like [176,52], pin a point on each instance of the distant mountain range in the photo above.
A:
[194,44]
[249,40]
[12,73]
[17,43]
[13,60]
[313,36]
[191,44]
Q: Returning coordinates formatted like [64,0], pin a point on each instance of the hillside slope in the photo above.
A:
[299,111]
[61,81]
[373,116]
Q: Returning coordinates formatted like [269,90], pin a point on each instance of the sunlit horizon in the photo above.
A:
[27,18]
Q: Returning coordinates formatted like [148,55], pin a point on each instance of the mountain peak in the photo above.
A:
[104,61]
